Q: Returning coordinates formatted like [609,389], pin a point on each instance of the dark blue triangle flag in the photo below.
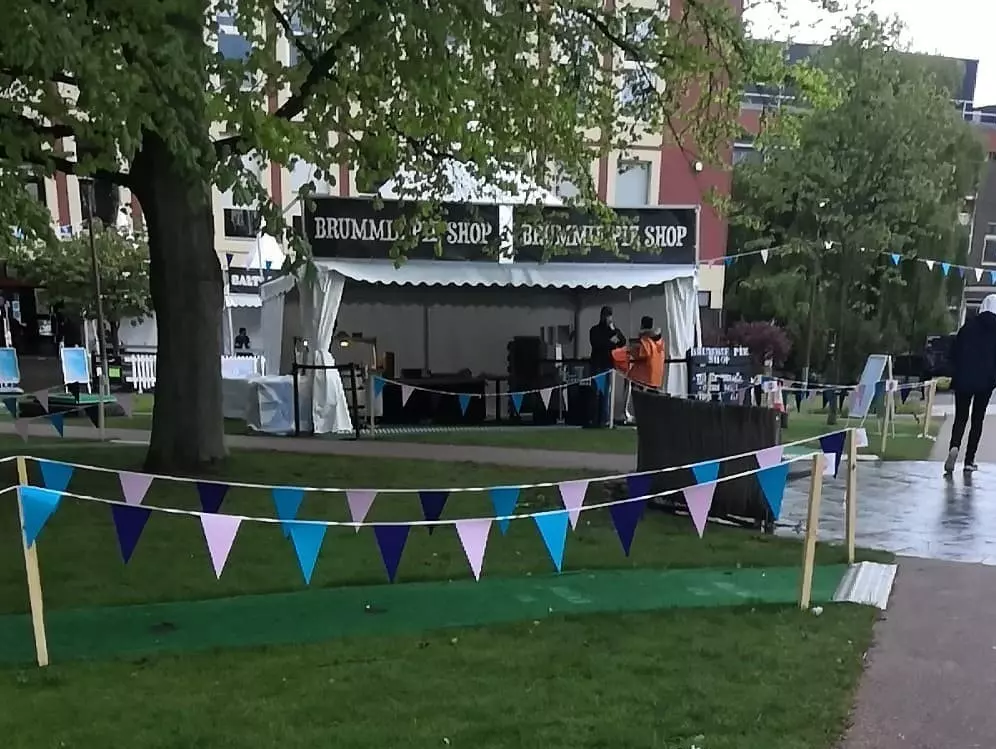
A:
[37,505]
[307,539]
[961,271]
[504,499]
[211,495]
[706,472]
[625,517]
[602,382]
[517,402]
[833,444]
[553,529]
[772,481]
[228,258]
[11,405]
[59,422]
[378,386]
[904,394]
[432,503]
[945,268]
[287,501]
[55,476]
[464,399]
[129,522]
[639,485]
[391,540]
[895,258]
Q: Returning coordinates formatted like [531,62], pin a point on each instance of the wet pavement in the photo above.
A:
[908,508]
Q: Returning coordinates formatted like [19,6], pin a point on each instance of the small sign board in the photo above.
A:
[718,372]
[874,372]
[75,366]
[10,370]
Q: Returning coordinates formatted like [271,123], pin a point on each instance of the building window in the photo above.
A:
[106,201]
[242,220]
[633,184]
[705,298]
[36,189]
[231,44]
[989,246]
[745,153]
[301,34]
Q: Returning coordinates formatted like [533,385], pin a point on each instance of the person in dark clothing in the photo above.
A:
[242,340]
[604,338]
[973,360]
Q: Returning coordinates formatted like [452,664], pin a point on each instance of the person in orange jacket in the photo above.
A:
[648,356]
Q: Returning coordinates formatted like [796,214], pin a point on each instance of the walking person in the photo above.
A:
[973,360]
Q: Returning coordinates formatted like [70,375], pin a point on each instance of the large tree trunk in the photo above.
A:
[187,295]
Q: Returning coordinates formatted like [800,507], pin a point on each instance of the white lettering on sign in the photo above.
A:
[239,279]
[596,235]
[383,230]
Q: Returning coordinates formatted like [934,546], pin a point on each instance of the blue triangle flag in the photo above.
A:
[772,481]
[129,522]
[11,405]
[834,444]
[504,499]
[287,500]
[229,257]
[961,271]
[706,472]
[625,517]
[945,268]
[59,422]
[391,540]
[38,505]
[432,503]
[378,386]
[269,264]
[553,528]
[307,539]
[992,276]
[602,382]
[517,402]
[728,260]
[55,476]
[895,258]
[211,495]
[464,399]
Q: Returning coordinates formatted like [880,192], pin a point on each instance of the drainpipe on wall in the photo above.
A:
[963,309]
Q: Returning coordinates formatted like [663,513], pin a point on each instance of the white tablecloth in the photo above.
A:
[270,404]
[235,394]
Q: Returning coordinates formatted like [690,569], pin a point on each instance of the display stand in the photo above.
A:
[930,392]
[812,531]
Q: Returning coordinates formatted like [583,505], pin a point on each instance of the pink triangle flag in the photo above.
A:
[699,501]
[42,397]
[360,501]
[22,428]
[473,535]
[134,486]
[545,394]
[406,393]
[219,532]
[769,456]
[572,494]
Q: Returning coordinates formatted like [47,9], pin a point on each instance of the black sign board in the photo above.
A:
[718,373]
[248,280]
[359,228]
[641,235]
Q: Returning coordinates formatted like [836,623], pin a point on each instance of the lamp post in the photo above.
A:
[102,381]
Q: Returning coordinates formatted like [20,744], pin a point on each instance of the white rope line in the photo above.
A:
[365,524]
[451,490]
[509,394]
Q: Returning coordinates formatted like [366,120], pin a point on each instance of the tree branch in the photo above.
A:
[306,52]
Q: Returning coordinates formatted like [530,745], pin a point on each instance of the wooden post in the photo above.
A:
[851,494]
[888,403]
[612,398]
[812,530]
[33,574]
[929,407]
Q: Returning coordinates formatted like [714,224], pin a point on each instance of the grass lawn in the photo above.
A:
[743,678]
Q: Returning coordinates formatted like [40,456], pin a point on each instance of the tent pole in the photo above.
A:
[577,324]
[425,339]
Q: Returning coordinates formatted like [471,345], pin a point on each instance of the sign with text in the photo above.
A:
[360,228]
[248,280]
[636,235]
[718,372]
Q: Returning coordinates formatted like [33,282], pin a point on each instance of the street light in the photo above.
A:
[102,382]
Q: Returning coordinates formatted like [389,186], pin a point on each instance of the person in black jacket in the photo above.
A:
[604,338]
[973,360]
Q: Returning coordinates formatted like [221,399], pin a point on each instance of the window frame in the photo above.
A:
[633,162]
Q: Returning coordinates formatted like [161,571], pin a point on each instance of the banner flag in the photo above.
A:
[11,405]
[287,500]
[93,414]
[37,506]
[22,428]
[464,399]
[860,438]
[904,394]
[833,445]
[930,264]
[769,456]
[698,499]
[992,276]
[59,422]
[545,394]
[307,539]
[945,268]
[391,540]
[625,517]
[129,522]
[42,397]
[517,402]
[504,499]
[360,501]
[219,532]
[764,256]
[602,382]
[378,386]
[212,495]
[127,402]
[432,503]
[772,480]
[406,393]
[55,476]
[895,258]
[473,534]
[572,495]
[639,485]
[553,529]
[229,257]
[134,486]
[706,472]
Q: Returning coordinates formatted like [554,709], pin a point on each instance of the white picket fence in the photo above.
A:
[143,369]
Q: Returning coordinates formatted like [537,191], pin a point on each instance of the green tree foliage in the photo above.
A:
[884,167]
